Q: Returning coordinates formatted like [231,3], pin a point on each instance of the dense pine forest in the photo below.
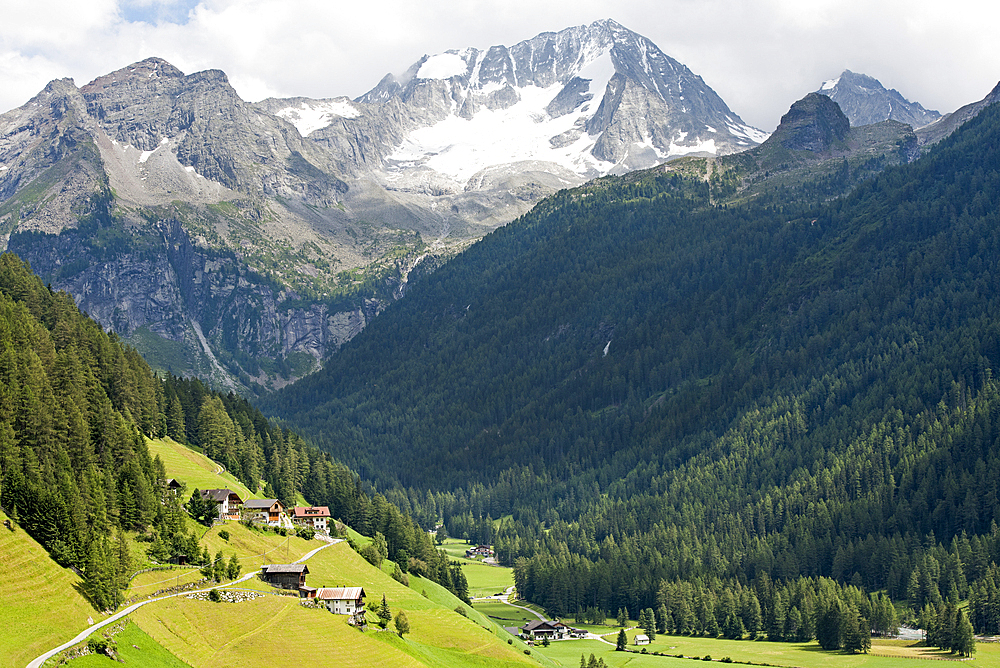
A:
[656,387]
[75,472]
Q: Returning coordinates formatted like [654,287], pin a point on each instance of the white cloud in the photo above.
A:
[759,56]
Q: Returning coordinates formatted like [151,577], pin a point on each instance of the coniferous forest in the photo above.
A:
[774,415]
[75,471]
[652,387]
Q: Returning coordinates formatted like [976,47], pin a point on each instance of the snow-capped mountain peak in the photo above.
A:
[586,101]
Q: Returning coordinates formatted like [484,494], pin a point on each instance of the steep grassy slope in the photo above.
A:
[39,599]
[277,631]
[195,469]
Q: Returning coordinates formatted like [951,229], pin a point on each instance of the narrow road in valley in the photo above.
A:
[37,662]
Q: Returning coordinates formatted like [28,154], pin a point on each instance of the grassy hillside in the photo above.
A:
[39,599]
[484,579]
[195,469]
[277,631]
[133,647]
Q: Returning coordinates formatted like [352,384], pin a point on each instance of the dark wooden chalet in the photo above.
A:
[285,576]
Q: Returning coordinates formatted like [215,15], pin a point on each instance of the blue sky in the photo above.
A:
[157,13]
[759,55]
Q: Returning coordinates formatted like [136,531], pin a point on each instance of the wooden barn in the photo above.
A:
[285,576]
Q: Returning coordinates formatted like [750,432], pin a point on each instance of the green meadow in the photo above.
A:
[277,631]
[133,647]
[884,654]
[41,600]
[194,469]
[484,579]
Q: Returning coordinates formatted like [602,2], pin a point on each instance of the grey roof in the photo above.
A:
[262,504]
[284,568]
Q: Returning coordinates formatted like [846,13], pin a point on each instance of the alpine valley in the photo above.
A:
[246,242]
[680,381]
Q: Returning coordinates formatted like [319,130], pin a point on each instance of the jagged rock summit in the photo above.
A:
[865,101]
[815,123]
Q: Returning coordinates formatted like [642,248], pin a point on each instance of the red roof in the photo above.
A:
[302,512]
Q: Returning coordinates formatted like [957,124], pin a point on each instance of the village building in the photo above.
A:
[285,576]
[227,501]
[342,600]
[174,486]
[264,510]
[641,639]
[317,517]
[540,629]
[479,551]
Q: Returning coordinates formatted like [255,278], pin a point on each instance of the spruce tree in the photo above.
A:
[964,640]
[622,641]
[622,617]
[234,568]
[384,613]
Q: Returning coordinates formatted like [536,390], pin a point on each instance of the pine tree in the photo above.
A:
[234,568]
[622,617]
[964,641]
[219,567]
[622,641]
[384,613]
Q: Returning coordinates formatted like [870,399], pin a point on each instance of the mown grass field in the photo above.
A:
[803,655]
[277,631]
[484,579]
[134,647]
[503,613]
[41,601]
[194,469]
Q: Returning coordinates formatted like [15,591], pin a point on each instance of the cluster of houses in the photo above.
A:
[266,511]
[348,601]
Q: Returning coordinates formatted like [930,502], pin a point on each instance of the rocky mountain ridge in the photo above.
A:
[865,101]
[244,242]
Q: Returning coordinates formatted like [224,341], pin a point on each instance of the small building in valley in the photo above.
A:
[227,501]
[342,600]
[317,517]
[285,576]
[264,510]
[479,551]
[542,628]
[641,639]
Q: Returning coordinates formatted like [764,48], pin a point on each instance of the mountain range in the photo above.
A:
[246,242]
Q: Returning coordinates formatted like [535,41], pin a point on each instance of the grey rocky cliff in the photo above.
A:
[865,101]
[180,292]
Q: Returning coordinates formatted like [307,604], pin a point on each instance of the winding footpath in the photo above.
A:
[38,661]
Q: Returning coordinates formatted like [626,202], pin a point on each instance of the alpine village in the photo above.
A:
[284,384]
